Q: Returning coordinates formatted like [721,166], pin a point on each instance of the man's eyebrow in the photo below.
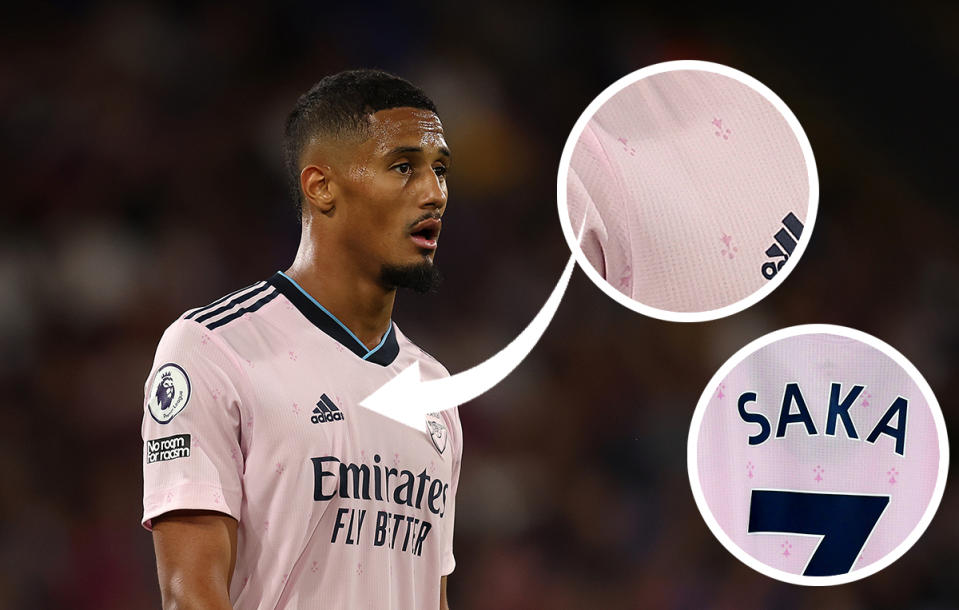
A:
[399,150]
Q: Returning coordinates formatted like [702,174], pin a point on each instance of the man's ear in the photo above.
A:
[317,187]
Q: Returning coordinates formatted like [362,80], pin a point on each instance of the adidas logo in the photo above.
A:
[785,244]
[326,411]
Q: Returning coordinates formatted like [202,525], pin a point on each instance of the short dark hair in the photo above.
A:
[338,106]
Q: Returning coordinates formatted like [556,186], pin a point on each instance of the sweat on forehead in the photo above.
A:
[383,124]
[411,127]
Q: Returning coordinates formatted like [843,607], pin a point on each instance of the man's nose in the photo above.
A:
[434,194]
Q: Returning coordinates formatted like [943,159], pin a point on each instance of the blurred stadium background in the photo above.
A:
[142,176]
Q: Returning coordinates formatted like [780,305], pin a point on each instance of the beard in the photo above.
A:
[421,277]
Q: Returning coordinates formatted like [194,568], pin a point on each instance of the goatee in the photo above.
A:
[421,277]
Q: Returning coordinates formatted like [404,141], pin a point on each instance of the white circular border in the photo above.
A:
[573,241]
[693,466]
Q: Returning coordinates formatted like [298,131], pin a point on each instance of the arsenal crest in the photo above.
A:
[437,430]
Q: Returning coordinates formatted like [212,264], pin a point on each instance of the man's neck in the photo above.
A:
[357,300]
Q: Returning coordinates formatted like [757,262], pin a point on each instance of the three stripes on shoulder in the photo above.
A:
[232,306]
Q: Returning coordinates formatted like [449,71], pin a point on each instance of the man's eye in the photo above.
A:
[440,170]
[403,168]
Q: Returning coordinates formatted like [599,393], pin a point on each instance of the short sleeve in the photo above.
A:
[191,426]
[448,563]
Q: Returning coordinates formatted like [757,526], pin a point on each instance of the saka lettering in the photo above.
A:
[348,480]
[837,412]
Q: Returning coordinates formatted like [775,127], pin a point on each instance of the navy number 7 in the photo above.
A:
[843,520]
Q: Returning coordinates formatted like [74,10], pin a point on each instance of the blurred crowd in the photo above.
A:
[143,176]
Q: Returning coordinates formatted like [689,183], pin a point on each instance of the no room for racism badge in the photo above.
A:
[818,455]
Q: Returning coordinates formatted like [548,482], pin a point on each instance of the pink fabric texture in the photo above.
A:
[730,468]
[335,511]
[684,178]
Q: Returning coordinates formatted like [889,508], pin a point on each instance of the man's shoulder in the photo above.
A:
[214,324]
[230,307]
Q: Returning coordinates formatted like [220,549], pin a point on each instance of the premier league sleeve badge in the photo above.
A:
[169,393]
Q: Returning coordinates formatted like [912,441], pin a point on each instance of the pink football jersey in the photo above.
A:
[694,189]
[818,455]
[251,409]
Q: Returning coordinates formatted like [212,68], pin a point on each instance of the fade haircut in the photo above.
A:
[339,107]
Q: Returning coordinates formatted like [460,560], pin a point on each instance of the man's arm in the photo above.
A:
[196,553]
[443,603]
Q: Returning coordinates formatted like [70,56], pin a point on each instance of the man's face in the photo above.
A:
[394,190]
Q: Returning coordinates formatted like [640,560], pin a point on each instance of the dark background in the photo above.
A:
[142,176]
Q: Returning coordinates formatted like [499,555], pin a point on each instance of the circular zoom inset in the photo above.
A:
[687,190]
[818,455]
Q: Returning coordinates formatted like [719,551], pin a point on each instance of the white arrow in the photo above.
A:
[407,399]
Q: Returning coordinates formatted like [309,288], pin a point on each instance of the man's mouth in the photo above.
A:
[426,232]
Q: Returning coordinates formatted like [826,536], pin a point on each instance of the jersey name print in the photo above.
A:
[817,456]
[838,411]
[336,506]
